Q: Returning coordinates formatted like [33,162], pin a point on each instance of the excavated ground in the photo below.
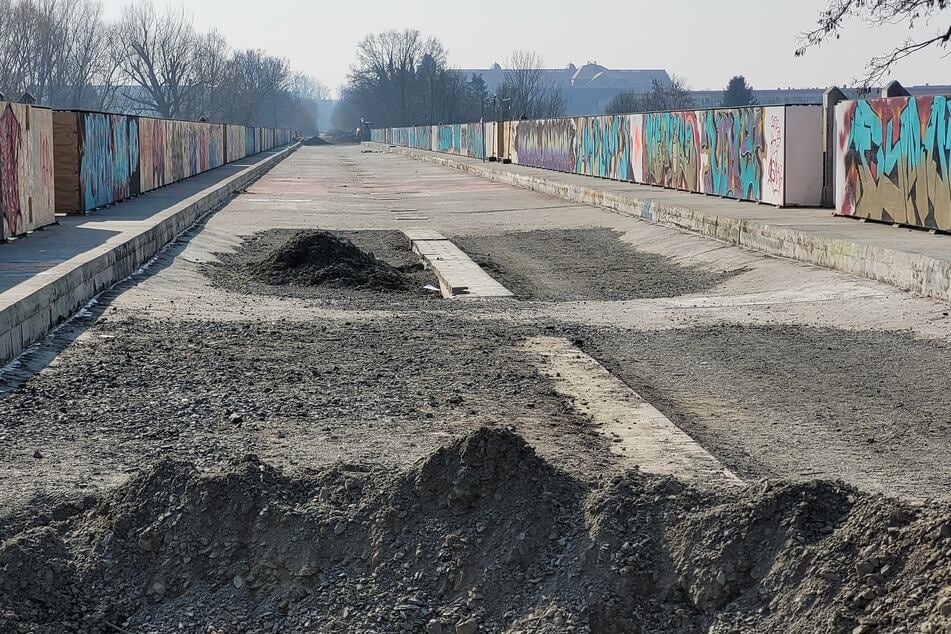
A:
[482,534]
[582,264]
[244,456]
[323,265]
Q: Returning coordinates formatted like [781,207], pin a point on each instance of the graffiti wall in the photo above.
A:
[547,143]
[892,160]
[104,158]
[26,169]
[737,153]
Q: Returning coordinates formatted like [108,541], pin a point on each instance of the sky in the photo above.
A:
[704,41]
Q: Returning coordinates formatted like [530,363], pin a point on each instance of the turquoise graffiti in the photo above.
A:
[603,147]
[734,150]
[672,150]
[894,158]
[109,159]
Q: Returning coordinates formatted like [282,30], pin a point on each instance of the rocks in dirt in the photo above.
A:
[319,258]
[482,535]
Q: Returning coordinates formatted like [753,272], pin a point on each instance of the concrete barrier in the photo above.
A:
[916,272]
[30,310]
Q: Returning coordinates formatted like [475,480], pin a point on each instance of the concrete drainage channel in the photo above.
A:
[458,275]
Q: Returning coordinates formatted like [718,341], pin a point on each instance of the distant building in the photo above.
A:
[588,89]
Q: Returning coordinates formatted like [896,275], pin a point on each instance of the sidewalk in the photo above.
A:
[910,259]
[48,275]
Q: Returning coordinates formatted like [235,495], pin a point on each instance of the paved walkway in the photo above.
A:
[910,259]
[47,275]
[34,255]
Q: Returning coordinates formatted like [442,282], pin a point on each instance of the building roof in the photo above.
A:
[590,76]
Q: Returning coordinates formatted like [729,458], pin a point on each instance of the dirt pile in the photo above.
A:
[315,140]
[319,258]
[481,536]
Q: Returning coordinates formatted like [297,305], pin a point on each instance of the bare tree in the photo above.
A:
[661,98]
[68,56]
[879,12]
[533,95]
[209,97]
[157,52]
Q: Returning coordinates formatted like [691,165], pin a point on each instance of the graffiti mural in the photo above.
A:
[548,143]
[672,150]
[26,169]
[10,141]
[737,152]
[603,147]
[732,152]
[892,160]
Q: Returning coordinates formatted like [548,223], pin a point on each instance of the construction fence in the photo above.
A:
[76,161]
[888,159]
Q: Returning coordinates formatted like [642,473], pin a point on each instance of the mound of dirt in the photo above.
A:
[483,535]
[315,140]
[319,258]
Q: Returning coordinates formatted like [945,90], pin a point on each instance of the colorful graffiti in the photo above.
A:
[9,171]
[732,152]
[604,147]
[26,169]
[547,143]
[892,160]
[738,153]
[672,150]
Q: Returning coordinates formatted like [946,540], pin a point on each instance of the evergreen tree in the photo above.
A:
[738,93]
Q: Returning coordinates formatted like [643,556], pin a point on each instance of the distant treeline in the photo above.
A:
[149,61]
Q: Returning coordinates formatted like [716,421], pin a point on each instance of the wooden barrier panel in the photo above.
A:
[27,194]
[103,158]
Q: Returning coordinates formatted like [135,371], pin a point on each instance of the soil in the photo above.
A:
[238,456]
[320,258]
[481,535]
[582,264]
[763,398]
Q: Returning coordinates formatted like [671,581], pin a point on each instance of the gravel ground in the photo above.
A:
[294,393]
[215,454]
[582,264]
[797,401]
[480,535]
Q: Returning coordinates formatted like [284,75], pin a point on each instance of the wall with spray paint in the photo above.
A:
[26,169]
[104,158]
[737,153]
[463,139]
[893,158]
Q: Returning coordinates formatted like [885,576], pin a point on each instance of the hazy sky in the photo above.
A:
[706,42]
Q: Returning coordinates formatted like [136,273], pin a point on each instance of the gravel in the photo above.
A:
[799,402]
[582,264]
[480,535]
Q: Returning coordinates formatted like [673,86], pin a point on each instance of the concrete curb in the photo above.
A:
[920,274]
[72,284]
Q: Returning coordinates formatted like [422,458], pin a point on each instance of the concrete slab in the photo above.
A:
[458,275]
[908,259]
[636,431]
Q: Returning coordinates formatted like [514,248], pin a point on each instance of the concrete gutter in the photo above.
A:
[919,273]
[31,309]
